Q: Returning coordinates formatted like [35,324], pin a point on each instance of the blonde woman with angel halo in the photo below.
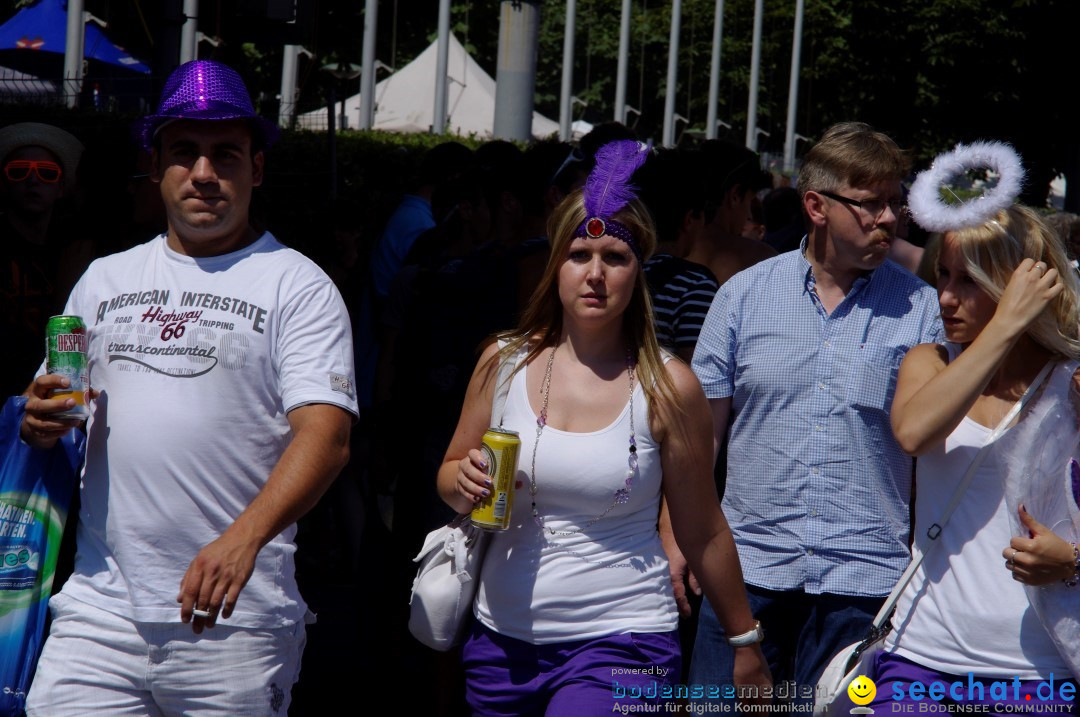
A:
[575,610]
[1010,304]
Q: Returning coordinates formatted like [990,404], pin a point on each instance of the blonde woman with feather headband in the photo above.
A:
[989,561]
[575,610]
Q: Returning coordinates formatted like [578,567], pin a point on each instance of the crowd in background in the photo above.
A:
[454,263]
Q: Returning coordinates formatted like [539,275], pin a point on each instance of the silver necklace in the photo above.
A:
[622,495]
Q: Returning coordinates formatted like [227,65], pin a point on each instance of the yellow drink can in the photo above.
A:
[500,448]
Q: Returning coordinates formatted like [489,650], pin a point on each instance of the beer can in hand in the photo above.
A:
[500,448]
[65,345]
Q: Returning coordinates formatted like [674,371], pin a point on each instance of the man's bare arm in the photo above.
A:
[318,451]
[721,413]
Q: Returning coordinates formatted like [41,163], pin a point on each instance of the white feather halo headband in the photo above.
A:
[925,197]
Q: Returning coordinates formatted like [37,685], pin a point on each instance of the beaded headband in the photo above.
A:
[595,227]
[608,190]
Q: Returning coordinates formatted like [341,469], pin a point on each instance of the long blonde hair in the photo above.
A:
[992,251]
[542,321]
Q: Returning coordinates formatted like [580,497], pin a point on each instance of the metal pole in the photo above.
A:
[567,71]
[515,73]
[672,74]
[189,48]
[438,118]
[81,52]
[793,89]
[73,56]
[624,63]
[288,85]
[367,71]
[331,136]
[755,73]
[714,70]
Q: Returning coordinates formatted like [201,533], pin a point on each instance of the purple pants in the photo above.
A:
[905,687]
[504,676]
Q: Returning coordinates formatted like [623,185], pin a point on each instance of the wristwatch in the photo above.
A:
[748,638]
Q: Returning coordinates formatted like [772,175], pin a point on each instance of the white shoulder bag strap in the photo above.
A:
[502,387]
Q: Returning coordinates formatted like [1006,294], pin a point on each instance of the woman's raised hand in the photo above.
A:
[1030,290]
[473,482]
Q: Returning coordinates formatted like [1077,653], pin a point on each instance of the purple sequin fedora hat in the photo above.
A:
[204,90]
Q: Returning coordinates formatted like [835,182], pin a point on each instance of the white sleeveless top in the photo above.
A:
[610,579]
[962,611]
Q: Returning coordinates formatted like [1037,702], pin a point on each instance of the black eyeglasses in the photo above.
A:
[874,207]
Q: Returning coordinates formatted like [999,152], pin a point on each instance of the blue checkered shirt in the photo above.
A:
[817,488]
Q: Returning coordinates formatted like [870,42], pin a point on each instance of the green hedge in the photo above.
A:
[374,169]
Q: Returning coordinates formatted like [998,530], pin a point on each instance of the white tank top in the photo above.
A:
[610,579]
[962,611]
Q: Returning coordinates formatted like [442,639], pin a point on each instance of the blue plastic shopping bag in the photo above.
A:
[35,492]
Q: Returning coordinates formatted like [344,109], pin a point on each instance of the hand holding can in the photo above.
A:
[65,344]
[500,448]
[43,425]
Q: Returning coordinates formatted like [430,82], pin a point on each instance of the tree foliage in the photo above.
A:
[930,72]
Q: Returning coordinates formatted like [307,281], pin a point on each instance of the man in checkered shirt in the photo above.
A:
[799,356]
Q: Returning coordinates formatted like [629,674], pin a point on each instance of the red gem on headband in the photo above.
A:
[595,227]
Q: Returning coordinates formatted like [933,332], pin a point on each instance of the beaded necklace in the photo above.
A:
[622,495]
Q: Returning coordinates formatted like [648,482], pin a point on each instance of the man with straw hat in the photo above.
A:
[39,260]
[223,368]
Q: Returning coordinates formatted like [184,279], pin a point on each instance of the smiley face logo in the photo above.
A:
[862,690]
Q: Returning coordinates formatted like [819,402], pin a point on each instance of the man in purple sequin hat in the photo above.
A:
[222,363]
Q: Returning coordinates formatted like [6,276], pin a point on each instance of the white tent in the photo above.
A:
[580,128]
[18,86]
[405,101]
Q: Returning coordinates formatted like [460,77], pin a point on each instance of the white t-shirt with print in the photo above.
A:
[198,361]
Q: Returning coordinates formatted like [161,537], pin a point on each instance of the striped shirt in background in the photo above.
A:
[681,292]
[817,488]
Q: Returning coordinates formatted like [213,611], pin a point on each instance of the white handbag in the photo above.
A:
[831,695]
[450,562]
[444,587]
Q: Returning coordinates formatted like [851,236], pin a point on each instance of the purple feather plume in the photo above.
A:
[1074,471]
[608,188]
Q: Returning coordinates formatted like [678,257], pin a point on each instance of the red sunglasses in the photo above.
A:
[18,170]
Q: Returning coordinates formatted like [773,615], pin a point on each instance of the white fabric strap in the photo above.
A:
[498,406]
[502,388]
[458,550]
[935,529]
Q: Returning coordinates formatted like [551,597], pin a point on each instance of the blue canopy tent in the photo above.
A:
[35,37]
[33,40]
